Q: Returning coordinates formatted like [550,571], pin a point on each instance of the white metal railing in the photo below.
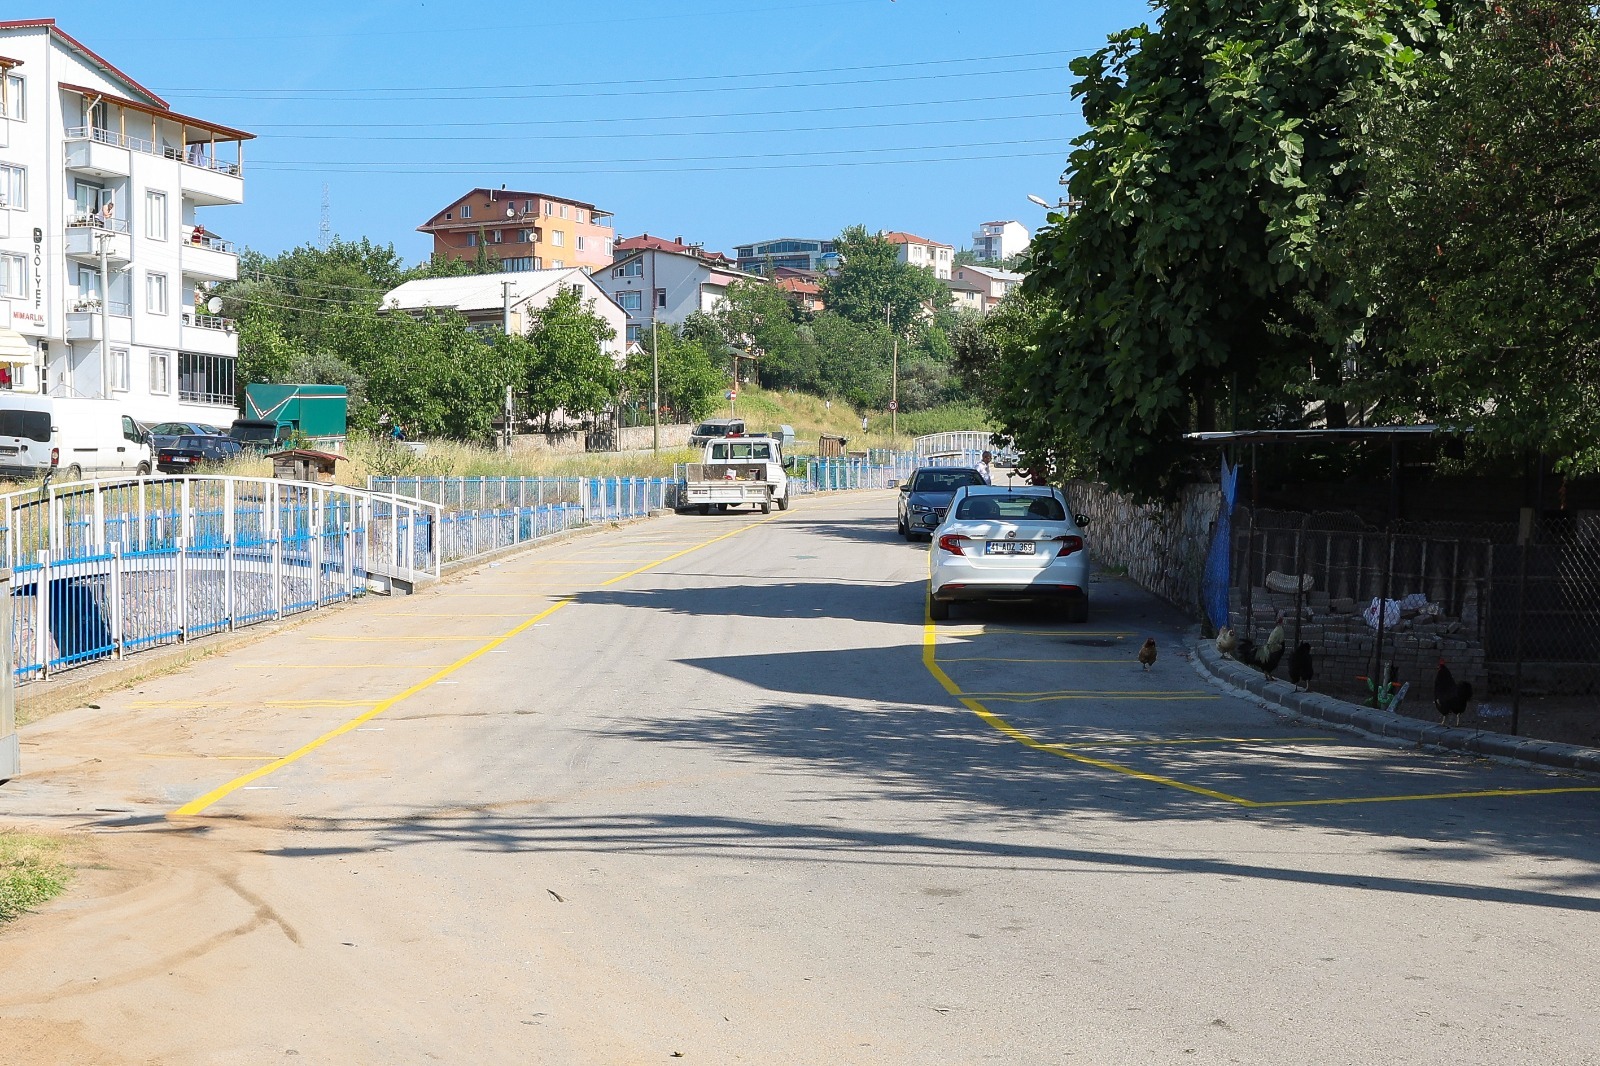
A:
[194,155]
[95,220]
[216,322]
[216,244]
[103,569]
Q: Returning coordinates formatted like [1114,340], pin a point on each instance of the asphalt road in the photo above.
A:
[711,788]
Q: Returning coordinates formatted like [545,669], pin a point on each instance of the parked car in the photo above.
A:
[261,435]
[926,494]
[164,434]
[1014,544]
[715,429]
[71,437]
[189,453]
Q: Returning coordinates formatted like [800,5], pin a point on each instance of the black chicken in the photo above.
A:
[1301,666]
[1449,695]
[1264,657]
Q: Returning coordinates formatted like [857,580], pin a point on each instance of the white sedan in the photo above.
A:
[1018,543]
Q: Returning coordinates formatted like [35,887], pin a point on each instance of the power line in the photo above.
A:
[363,126]
[284,96]
[395,169]
[633,81]
[636,135]
[476,164]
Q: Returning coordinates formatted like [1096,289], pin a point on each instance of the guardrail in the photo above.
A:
[103,569]
[481,515]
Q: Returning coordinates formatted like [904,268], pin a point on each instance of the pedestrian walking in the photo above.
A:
[985,468]
[863,423]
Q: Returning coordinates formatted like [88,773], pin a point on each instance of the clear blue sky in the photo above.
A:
[700,118]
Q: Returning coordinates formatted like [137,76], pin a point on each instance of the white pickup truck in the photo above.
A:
[736,471]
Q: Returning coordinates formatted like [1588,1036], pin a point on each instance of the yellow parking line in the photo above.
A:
[200,804]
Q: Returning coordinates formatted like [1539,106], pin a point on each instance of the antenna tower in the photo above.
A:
[325,226]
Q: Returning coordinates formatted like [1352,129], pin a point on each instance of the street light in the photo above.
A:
[1071,207]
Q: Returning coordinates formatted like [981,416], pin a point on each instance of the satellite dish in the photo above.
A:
[1038,200]
[511,212]
[214,305]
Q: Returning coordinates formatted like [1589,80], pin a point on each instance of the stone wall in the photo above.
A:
[1161,547]
[640,438]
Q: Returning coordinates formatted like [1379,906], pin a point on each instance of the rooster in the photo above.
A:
[1264,657]
[1449,695]
[1147,653]
[1301,666]
[1227,643]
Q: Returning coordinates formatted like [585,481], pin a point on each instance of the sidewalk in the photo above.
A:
[1246,681]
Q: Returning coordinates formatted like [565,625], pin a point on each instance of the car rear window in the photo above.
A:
[193,442]
[944,480]
[1012,508]
[34,425]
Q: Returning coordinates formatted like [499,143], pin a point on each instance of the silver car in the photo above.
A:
[1009,543]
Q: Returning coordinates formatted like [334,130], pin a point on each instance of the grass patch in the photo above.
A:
[32,872]
[767,409]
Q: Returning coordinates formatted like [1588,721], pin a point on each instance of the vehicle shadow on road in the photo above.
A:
[776,597]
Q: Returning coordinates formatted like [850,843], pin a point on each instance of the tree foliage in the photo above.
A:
[692,381]
[871,283]
[1182,288]
[568,367]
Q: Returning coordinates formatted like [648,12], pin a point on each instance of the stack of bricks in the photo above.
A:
[1342,642]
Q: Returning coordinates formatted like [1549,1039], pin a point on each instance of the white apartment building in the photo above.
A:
[105,264]
[921,252]
[995,242]
[508,302]
[667,284]
[977,288]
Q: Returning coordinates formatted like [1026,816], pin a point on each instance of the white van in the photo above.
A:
[79,438]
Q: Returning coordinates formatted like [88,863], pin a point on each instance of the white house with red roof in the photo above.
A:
[921,252]
[105,262]
[657,280]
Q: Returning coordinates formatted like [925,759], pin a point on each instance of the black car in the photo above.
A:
[188,453]
[925,496]
[166,433]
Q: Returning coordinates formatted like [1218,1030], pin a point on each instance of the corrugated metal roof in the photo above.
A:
[477,292]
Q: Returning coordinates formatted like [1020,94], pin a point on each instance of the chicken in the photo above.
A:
[1301,666]
[1147,653]
[1264,657]
[1449,695]
[1227,643]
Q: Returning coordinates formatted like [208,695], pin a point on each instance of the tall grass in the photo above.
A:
[32,872]
[766,409]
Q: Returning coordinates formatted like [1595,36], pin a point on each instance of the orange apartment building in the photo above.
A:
[524,230]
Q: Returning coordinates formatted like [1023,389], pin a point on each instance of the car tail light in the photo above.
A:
[1070,545]
[952,542]
[55,456]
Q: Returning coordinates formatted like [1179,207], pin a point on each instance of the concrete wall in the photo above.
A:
[572,441]
[1163,549]
[639,438]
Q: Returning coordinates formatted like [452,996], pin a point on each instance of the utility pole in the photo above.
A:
[894,375]
[508,419]
[655,377]
[102,241]
[505,300]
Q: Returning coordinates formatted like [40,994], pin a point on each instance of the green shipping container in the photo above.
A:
[318,411]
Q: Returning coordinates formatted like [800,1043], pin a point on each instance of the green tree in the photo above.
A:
[691,380]
[871,281]
[570,368]
[1476,250]
[1218,147]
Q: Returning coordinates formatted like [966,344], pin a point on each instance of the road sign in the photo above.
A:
[729,395]
[894,406]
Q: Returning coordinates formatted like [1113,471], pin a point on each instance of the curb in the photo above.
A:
[1279,695]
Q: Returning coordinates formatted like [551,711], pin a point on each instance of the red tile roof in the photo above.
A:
[900,237]
[645,242]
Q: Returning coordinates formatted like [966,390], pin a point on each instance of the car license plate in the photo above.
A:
[7,450]
[1009,547]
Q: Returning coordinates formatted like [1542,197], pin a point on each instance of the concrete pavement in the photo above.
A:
[713,787]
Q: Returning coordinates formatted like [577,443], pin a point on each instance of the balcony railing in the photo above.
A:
[91,305]
[95,220]
[216,322]
[194,155]
[216,244]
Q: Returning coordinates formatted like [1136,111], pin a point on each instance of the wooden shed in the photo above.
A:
[303,464]
[830,446]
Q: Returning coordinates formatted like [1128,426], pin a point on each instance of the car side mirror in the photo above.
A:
[1082,520]
[905,486]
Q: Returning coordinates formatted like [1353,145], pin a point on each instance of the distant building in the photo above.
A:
[995,242]
[797,253]
[805,286]
[921,252]
[656,280]
[484,299]
[97,171]
[978,288]
[524,230]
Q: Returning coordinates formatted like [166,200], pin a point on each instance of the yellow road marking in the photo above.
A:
[201,803]
[930,660]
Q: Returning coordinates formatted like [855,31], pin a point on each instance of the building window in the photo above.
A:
[557,265]
[466,210]
[578,215]
[119,370]
[155,293]
[524,236]
[580,242]
[549,208]
[13,187]
[205,378]
[609,253]
[497,236]
[558,238]
[160,374]
[630,300]
[14,102]
[633,334]
[527,207]
[661,297]
[563,210]
[155,215]
[13,276]
[472,240]
[631,269]
[517,263]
